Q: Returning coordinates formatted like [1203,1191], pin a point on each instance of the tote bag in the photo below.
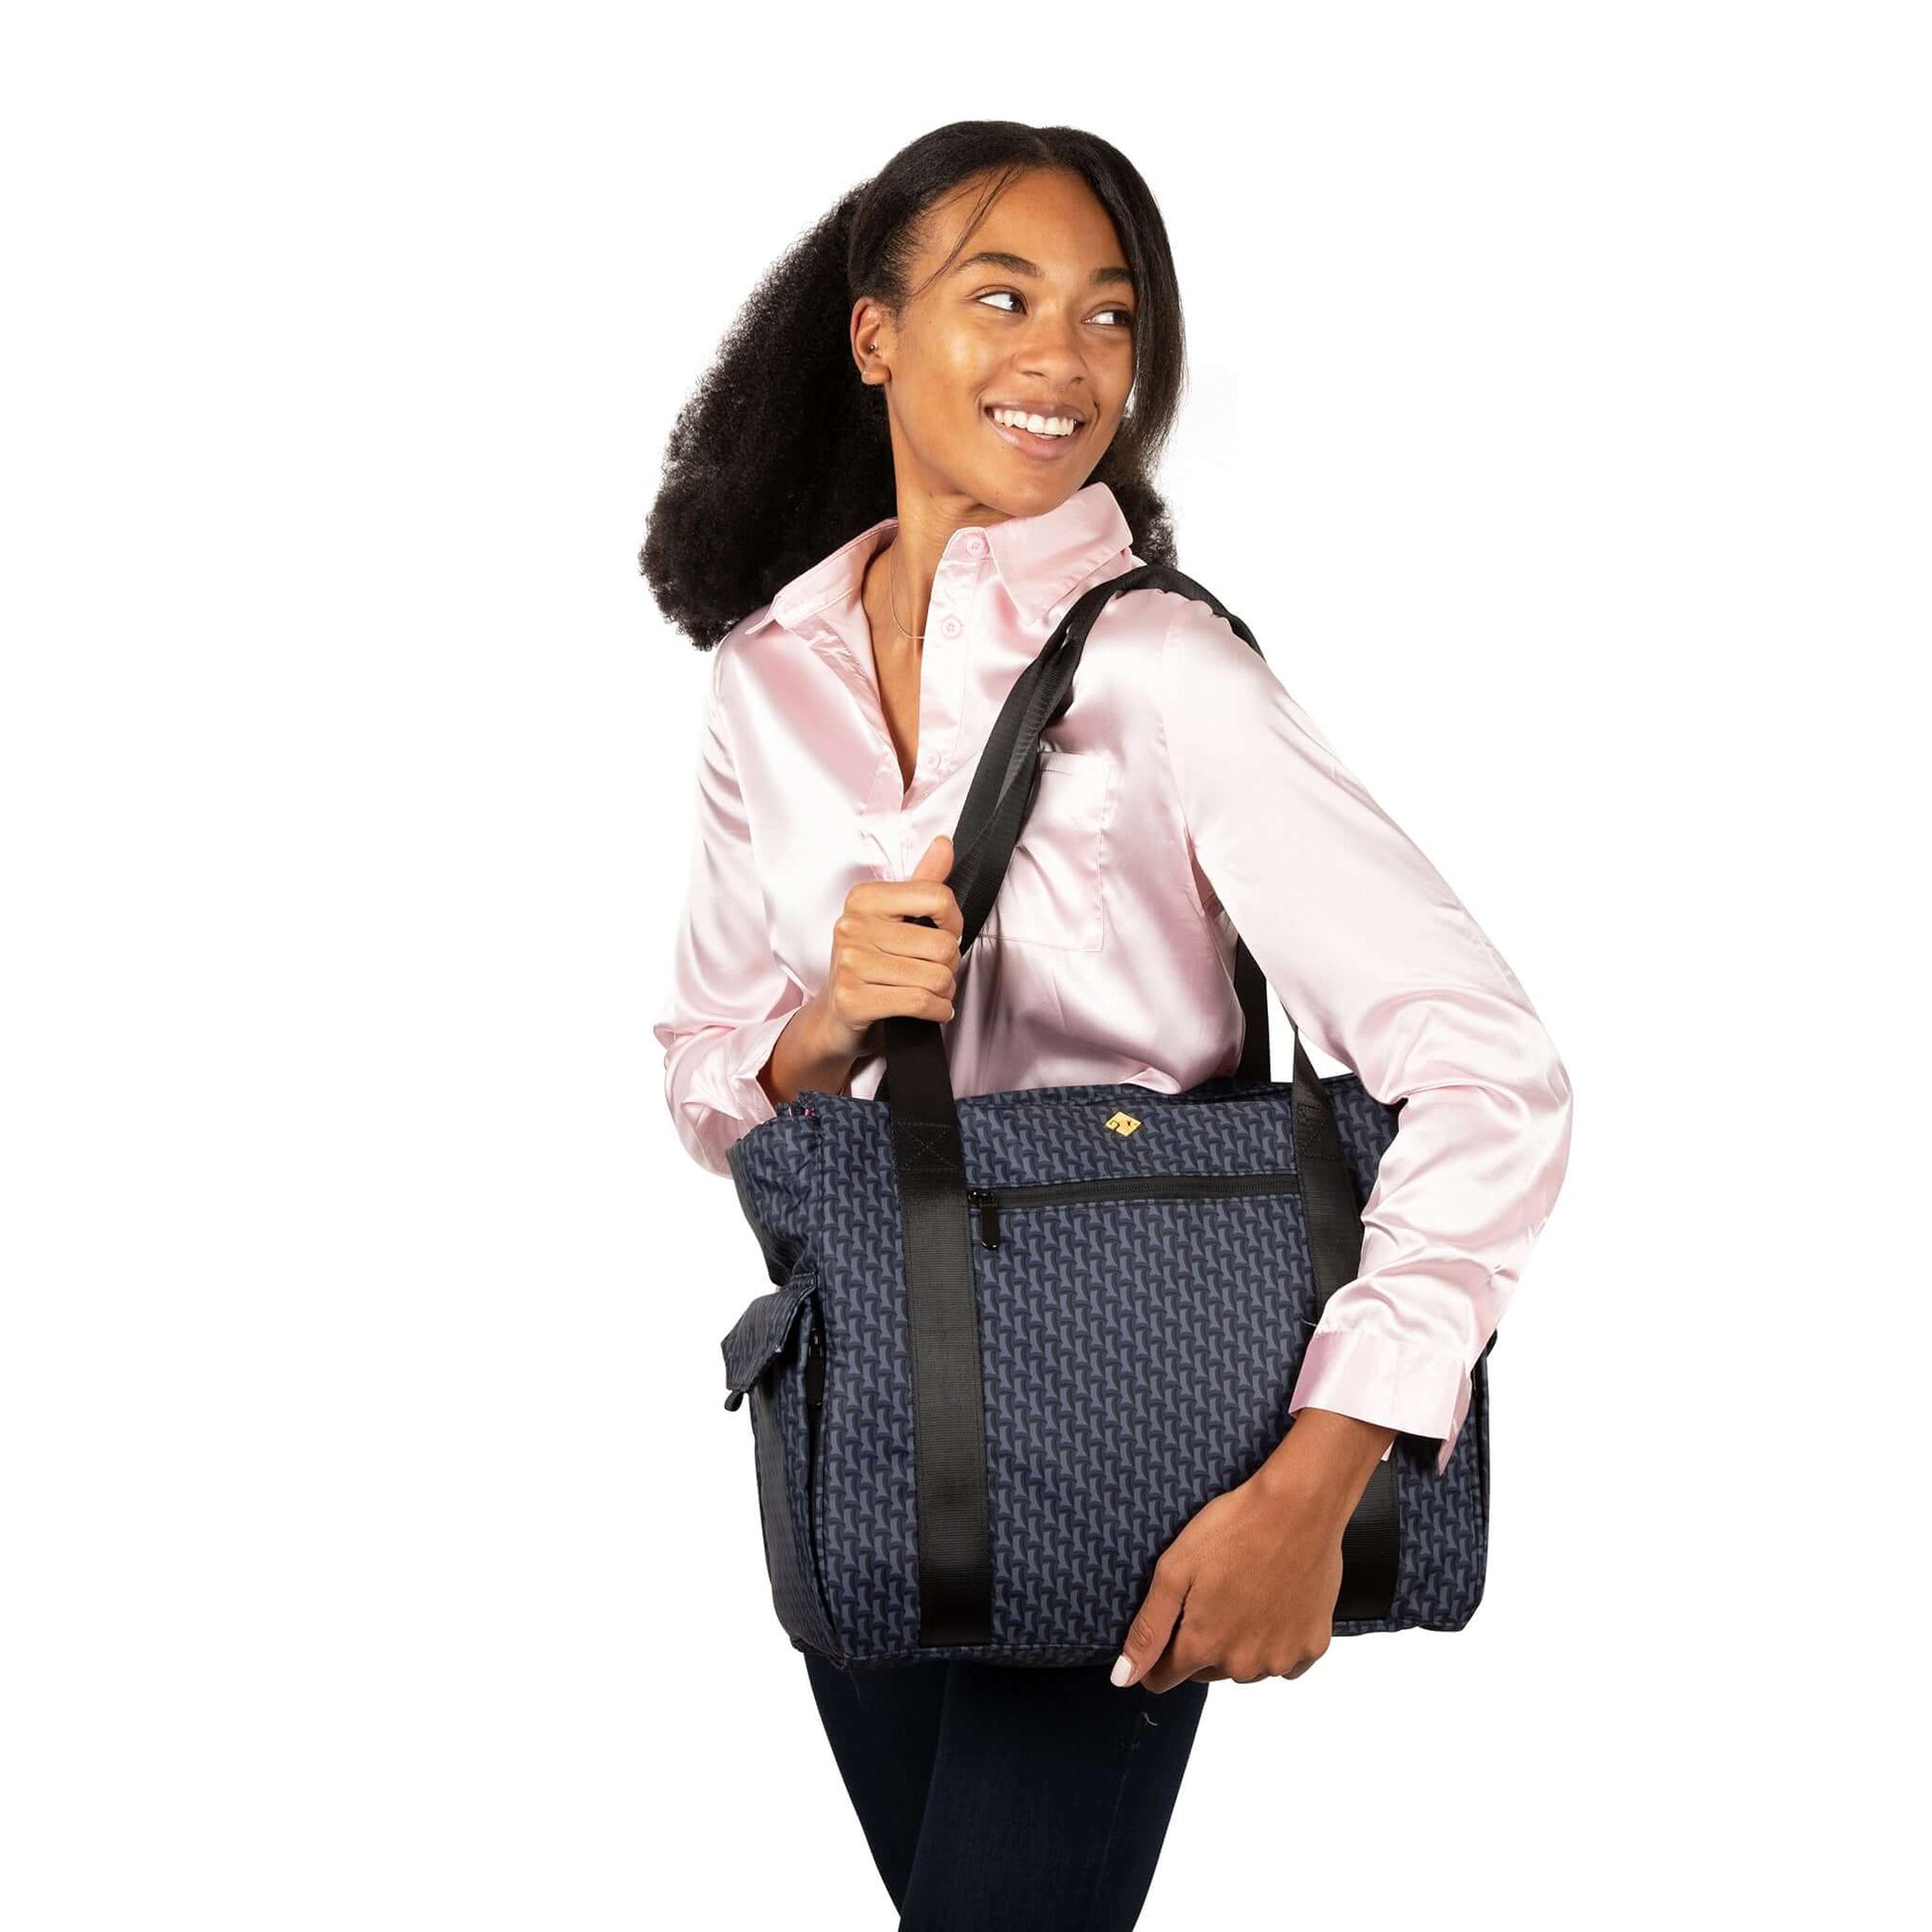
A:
[1016,1340]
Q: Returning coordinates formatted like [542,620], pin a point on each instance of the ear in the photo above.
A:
[873,340]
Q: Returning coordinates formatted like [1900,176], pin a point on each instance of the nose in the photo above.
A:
[1051,347]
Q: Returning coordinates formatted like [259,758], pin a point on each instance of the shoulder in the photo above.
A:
[740,653]
[1218,688]
[1157,626]
[1199,644]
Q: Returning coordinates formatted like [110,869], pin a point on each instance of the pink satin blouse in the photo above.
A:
[1184,797]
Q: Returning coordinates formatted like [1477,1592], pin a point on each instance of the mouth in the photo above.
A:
[1054,439]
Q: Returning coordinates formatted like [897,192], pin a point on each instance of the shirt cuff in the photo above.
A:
[751,1049]
[1400,1385]
[727,1099]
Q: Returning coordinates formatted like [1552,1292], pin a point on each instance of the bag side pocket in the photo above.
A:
[773,1356]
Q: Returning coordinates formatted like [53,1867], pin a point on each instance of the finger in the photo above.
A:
[876,968]
[929,900]
[912,941]
[1180,1664]
[1152,1626]
[1183,1657]
[935,862]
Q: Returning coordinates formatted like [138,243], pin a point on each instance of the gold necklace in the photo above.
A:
[891,576]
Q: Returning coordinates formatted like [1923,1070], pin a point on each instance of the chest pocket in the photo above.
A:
[1051,894]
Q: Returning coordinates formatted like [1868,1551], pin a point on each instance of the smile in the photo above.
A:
[1054,435]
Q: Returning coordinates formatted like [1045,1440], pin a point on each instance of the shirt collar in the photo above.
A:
[1038,558]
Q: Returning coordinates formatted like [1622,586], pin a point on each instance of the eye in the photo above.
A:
[1126,314]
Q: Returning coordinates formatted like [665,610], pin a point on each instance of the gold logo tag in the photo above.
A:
[1123,1123]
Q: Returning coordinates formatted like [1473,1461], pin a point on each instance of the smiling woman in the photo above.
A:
[1042,426]
[780,456]
[927,438]
[1007,373]
[1008,300]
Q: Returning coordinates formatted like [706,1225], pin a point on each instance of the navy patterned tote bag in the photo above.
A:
[1016,1340]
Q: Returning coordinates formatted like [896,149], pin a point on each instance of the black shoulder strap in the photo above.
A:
[950,1424]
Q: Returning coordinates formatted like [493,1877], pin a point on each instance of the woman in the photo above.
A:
[930,430]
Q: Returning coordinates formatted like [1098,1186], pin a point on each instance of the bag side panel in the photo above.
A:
[1443,1530]
[773,1167]
[781,1433]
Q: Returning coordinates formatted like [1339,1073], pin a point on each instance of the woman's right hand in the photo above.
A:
[883,962]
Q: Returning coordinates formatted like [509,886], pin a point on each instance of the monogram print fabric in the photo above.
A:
[1136,1358]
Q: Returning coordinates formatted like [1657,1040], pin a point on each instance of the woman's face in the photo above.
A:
[1047,328]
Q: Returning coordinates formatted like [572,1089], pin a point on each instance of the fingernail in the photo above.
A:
[1123,1668]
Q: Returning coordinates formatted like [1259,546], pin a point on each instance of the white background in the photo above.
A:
[376,1550]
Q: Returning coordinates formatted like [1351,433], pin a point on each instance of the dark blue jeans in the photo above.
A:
[1009,1799]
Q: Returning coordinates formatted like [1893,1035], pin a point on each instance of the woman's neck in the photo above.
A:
[897,592]
[902,572]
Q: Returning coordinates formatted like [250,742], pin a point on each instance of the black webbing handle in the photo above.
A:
[949,1424]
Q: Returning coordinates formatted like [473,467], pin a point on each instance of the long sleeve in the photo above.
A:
[730,998]
[1384,970]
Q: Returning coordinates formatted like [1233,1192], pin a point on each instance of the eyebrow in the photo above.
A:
[1020,266]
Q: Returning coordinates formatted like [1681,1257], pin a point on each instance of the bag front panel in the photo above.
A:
[1118,1340]
[1045,1135]
[1138,1351]
[868,1502]
[1140,1355]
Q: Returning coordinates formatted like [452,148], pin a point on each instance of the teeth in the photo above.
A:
[1039,425]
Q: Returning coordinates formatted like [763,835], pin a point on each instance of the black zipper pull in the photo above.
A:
[815,1369]
[987,1203]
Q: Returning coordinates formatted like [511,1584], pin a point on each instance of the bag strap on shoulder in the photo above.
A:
[949,1427]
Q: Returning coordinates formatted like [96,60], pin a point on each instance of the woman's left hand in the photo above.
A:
[1248,1588]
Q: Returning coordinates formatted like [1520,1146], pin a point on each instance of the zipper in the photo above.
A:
[814,1368]
[814,1431]
[991,1201]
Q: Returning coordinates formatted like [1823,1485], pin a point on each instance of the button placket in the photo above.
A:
[942,684]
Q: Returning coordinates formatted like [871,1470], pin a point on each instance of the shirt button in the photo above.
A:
[976,545]
[952,627]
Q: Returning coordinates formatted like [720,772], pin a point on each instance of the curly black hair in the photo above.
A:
[781,453]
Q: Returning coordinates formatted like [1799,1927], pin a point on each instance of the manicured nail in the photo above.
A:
[1123,1668]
